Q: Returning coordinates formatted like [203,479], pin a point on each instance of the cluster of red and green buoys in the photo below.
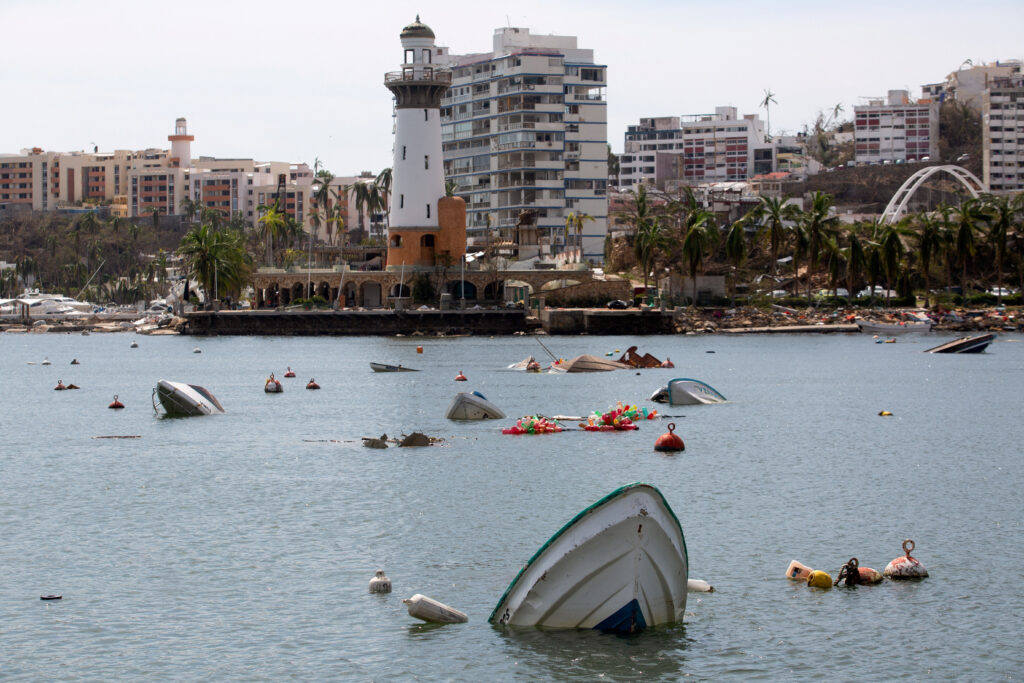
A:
[533,424]
[619,418]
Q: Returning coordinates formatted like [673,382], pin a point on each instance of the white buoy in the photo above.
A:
[134,345]
[699,586]
[906,567]
[428,609]
[46,361]
[380,583]
[197,350]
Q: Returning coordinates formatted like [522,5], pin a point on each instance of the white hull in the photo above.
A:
[466,406]
[620,566]
[687,392]
[178,398]
[384,367]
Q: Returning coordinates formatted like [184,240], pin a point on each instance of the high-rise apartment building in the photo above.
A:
[1003,134]
[695,149]
[524,128]
[896,130]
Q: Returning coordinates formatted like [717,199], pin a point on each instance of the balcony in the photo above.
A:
[436,75]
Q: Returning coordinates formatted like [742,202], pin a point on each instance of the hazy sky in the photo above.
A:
[295,81]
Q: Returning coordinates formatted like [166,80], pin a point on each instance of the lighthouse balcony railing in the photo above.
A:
[426,75]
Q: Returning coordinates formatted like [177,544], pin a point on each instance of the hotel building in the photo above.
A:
[524,128]
[1003,134]
[895,130]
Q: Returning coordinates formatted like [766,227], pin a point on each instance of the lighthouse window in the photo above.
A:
[401,201]
[409,56]
[425,115]
[426,161]
[403,152]
[428,210]
[426,56]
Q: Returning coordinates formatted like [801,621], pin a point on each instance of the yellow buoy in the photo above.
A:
[819,579]
[885,413]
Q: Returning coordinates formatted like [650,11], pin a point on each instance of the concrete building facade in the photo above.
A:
[524,129]
[695,149]
[1003,135]
[896,130]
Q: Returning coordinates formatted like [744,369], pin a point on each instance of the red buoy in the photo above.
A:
[312,384]
[289,373]
[906,567]
[460,377]
[60,386]
[116,405]
[670,442]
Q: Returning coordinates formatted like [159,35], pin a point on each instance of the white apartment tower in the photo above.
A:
[895,130]
[417,175]
[524,128]
[1003,134]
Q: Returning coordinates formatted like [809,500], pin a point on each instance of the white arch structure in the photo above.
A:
[898,204]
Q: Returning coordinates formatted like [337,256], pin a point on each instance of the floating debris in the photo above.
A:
[428,609]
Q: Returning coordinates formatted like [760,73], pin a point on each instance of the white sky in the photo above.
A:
[294,81]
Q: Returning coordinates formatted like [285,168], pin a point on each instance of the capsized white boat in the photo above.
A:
[473,406]
[181,399]
[588,363]
[619,566]
[684,391]
[913,322]
[384,367]
[976,344]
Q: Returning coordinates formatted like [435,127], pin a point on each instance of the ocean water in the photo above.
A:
[239,546]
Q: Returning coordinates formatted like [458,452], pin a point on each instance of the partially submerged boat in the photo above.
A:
[528,364]
[473,406]
[384,367]
[618,566]
[684,391]
[180,399]
[976,344]
[912,322]
[588,363]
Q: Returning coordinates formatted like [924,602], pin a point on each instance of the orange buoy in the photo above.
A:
[60,386]
[419,349]
[289,373]
[272,385]
[906,567]
[116,405]
[312,384]
[460,377]
[670,442]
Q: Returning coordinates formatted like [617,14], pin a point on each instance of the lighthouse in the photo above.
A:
[181,144]
[425,227]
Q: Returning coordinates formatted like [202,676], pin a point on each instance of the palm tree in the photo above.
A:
[890,241]
[217,260]
[1000,213]
[773,215]
[856,262]
[700,234]
[736,243]
[967,218]
[190,209]
[155,218]
[874,266]
[212,217]
[578,220]
[817,224]
[272,225]
[767,102]
[929,244]
[613,165]
[383,183]
[650,238]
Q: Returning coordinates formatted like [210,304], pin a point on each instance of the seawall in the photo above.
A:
[353,323]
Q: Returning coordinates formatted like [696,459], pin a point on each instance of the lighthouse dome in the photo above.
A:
[417,29]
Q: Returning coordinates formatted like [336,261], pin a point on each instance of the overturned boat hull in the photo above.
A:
[473,406]
[179,399]
[588,363]
[684,391]
[619,566]
[976,344]
[384,367]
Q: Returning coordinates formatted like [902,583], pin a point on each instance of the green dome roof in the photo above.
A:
[417,29]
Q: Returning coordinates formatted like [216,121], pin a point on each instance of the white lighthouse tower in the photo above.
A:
[181,143]
[417,175]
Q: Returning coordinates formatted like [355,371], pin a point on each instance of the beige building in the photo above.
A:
[896,130]
[1003,134]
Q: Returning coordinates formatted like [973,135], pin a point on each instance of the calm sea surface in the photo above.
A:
[239,546]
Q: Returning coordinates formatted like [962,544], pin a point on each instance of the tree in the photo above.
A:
[190,209]
[736,243]
[1000,213]
[890,241]
[272,226]
[929,243]
[700,234]
[856,262]
[578,220]
[154,216]
[817,223]
[383,183]
[774,216]
[215,259]
[649,238]
[967,218]
[767,102]
[613,165]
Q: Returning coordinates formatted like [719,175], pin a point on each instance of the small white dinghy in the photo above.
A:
[473,406]
[180,399]
[684,391]
[618,566]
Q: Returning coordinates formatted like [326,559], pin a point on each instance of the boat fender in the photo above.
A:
[869,576]
[116,405]
[460,377]
[819,579]
[380,583]
[906,567]
[670,442]
[797,571]
[428,609]
[312,384]
[699,586]
[884,413]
